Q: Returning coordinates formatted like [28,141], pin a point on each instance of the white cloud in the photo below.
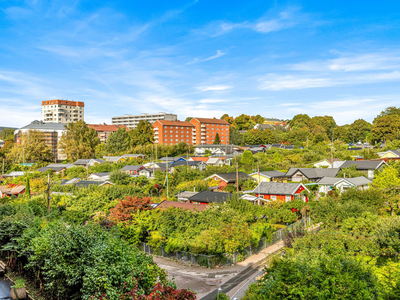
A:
[213,100]
[293,83]
[197,60]
[214,88]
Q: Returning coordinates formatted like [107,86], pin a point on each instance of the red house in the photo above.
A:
[279,191]
[132,170]
[11,190]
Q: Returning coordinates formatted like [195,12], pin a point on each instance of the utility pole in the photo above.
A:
[307,143]
[237,178]
[48,193]
[87,170]
[3,167]
[23,154]
[167,178]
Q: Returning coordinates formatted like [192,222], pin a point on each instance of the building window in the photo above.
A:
[273,198]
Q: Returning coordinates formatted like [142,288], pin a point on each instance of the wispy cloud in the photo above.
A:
[212,100]
[197,60]
[214,88]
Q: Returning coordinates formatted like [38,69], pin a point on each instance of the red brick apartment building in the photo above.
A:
[196,132]
[172,132]
[207,129]
[104,130]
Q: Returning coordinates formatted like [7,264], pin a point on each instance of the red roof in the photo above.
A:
[105,127]
[168,204]
[66,102]
[205,159]
[212,121]
[174,123]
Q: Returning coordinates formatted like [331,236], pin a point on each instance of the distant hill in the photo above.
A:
[1,128]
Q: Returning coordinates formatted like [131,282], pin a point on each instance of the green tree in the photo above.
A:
[341,133]
[217,140]
[326,122]
[244,122]
[253,137]
[360,129]
[300,120]
[386,127]
[118,141]
[32,148]
[267,136]
[143,134]
[119,177]
[28,187]
[79,141]
[387,179]
[188,119]
[247,158]
[235,137]
[7,135]
[392,110]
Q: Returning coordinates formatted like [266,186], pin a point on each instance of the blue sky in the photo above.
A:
[200,58]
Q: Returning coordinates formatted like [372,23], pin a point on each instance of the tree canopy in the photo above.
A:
[118,141]
[143,134]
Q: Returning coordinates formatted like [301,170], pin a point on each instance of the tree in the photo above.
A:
[243,122]
[125,209]
[28,187]
[359,129]
[267,137]
[7,134]
[119,177]
[143,134]
[217,140]
[188,119]
[300,120]
[392,110]
[386,127]
[118,141]
[253,137]
[257,119]
[31,148]
[79,141]
[387,179]
[247,158]
[341,133]
[326,122]
[235,137]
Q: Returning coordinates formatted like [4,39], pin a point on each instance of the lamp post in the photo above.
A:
[219,289]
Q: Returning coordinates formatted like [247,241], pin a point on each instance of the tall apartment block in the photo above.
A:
[172,132]
[133,121]
[62,111]
[205,131]
[198,131]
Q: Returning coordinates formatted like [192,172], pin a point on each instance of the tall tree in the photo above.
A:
[7,134]
[119,141]
[31,148]
[188,119]
[300,120]
[327,122]
[386,127]
[143,134]
[359,129]
[247,158]
[392,110]
[217,140]
[28,187]
[235,137]
[253,137]
[79,141]
[267,136]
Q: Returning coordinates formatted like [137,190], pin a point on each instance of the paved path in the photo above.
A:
[4,288]
[235,283]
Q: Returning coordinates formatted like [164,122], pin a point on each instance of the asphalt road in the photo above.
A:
[235,281]
[4,288]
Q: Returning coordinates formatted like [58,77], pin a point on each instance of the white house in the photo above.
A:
[327,184]
[327,163]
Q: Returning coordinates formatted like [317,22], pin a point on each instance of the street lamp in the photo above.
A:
[219,289]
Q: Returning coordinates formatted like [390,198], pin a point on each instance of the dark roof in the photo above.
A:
[354,149]
[272,174]
[171,158]
[363,164]
[39,125]
[231,177]
[86,183]
[210,197]
[356,181]
[276,188]
[102,174]
[186,163]
[168,204]
[55,169]
[313,173]
[131,168]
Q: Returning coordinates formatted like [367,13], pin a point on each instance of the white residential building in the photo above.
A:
[133,121]
[62,111]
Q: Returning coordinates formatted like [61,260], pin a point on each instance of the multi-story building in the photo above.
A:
[133,121]
[52,134]
[104,130]
[62,111]
[172,132]
[206,129]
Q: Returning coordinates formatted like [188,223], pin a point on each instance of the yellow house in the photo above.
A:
[268,176]
[389,154]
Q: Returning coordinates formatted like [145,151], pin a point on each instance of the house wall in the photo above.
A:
[262,178]
[206,130]
[389,155]
[322,164]
[298,177]
[173,132]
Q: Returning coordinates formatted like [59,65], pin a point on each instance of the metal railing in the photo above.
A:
[225,259]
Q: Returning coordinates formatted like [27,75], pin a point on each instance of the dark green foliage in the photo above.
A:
[143,134]
[314,275]
[118,142]
[217,140]
[119,177]
[247,158]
